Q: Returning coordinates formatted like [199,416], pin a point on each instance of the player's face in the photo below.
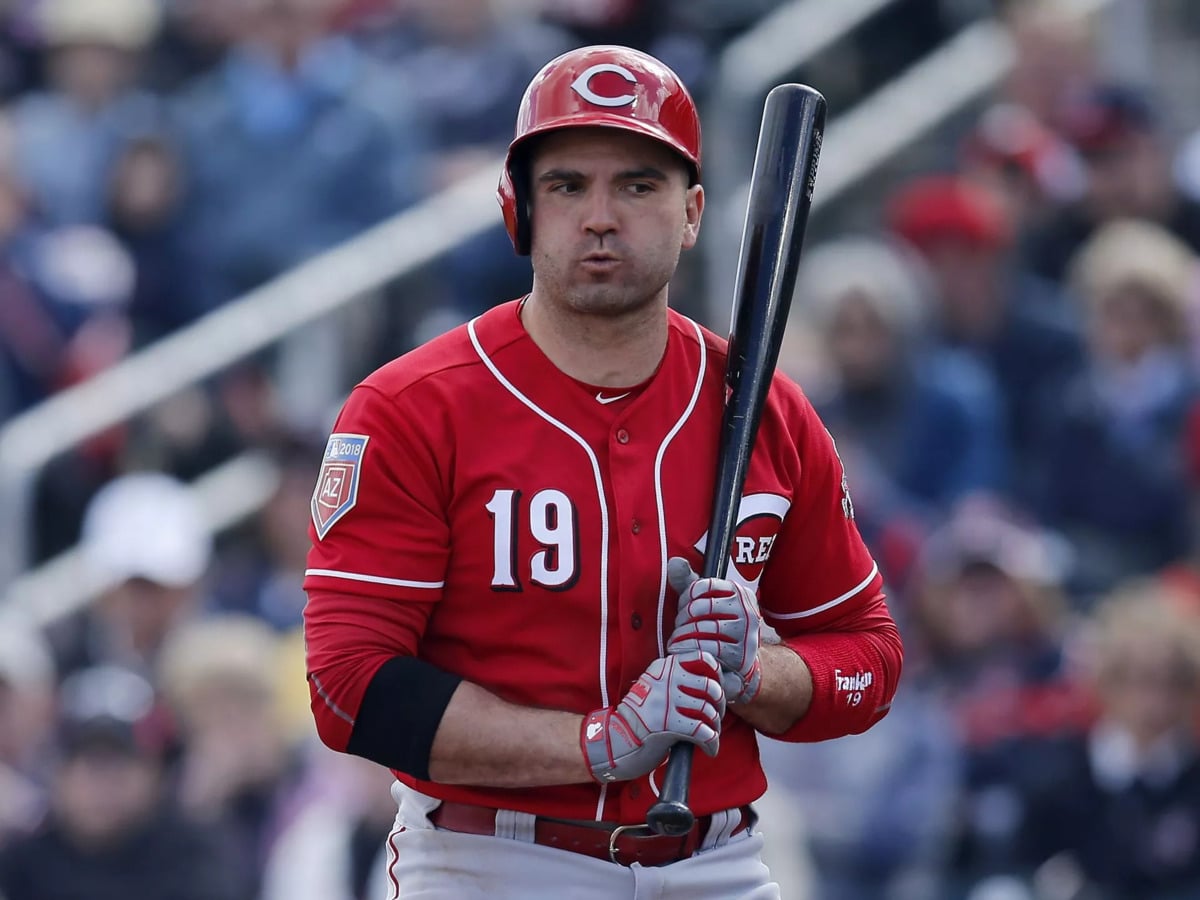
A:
[611,213]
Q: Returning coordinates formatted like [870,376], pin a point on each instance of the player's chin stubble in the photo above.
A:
[610,296]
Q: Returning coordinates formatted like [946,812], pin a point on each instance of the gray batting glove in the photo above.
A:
[720,617]
[678,698]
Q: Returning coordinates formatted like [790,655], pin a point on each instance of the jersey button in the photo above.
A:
[636,621]
[623,436]
[635,791]
[636,526]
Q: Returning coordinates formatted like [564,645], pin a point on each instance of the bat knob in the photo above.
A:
[670,818]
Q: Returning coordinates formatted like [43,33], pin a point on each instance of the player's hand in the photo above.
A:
[720,617]
[678,698]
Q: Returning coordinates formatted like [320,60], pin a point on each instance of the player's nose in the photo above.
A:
[600,213]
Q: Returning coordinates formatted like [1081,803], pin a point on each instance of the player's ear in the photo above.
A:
[694,208]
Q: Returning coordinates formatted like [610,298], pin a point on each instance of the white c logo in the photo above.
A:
[582,86]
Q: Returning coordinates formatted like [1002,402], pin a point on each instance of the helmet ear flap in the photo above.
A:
[513,195]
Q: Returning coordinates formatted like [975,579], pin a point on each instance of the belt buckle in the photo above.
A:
[617,832]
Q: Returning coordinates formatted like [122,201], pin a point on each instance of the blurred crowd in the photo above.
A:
[1007,354]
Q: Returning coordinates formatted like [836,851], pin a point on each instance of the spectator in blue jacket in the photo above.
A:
[296,142]
[927,419]
[1114,473]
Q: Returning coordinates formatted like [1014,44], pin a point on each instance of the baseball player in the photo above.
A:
[503,606]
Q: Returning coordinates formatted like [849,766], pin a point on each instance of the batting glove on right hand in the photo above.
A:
[720,617]
[678,698]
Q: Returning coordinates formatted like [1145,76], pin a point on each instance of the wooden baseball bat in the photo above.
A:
[785,170]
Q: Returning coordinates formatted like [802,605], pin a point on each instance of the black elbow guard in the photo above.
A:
[400,714]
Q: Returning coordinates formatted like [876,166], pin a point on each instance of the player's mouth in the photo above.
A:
[600,262]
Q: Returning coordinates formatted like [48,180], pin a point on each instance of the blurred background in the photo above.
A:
[217,215]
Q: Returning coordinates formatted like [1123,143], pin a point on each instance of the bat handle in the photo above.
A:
[671,815]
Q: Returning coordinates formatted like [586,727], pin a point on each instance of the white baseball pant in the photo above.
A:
[426,863]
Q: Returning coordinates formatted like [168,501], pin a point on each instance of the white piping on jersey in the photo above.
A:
[658,498]
[333,707]
[512,389]
[832,603]
[375,579]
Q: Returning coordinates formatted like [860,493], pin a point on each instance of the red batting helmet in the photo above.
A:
[606,86]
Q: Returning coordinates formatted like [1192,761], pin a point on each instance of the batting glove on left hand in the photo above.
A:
[720,617]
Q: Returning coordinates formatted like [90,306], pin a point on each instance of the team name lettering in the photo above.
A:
[752,549]
[859,681]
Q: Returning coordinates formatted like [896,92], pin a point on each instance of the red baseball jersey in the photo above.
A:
[511,525]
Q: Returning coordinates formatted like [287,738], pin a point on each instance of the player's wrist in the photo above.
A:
[748,684]
[595,746]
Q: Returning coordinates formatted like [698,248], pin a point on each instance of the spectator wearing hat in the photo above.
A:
[1118,132]
[146,543]
[1113,452]
[68,135]
[1018,327]
[111,834]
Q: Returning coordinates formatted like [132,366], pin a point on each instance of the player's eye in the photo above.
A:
[640,188]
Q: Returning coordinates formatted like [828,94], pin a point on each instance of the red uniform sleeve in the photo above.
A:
[347,639]
[823,595]
[388,536]
[375,572]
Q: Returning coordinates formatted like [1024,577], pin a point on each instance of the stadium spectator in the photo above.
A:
[239,769]
[111,833]
[929,419]
[1017,326]
[145,539]
[1055,59]
[67,135]
[877,809]
[1112,452]
[32,337]
[1119,133]
[301,133]
[144,211]
[989,629]
[1115,813]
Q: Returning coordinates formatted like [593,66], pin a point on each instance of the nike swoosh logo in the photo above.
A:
[600,398]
